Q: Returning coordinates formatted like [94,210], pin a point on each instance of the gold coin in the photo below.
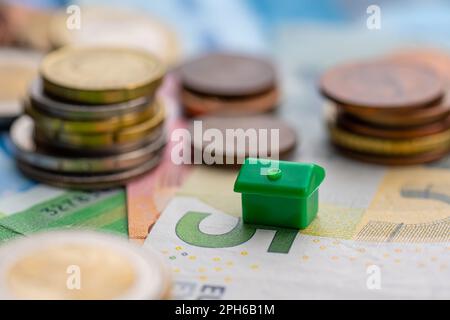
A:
[17,69]
[101,75]
[74,265]
[105,25]
[371,145]
[33,29]
[42,274]
[28,151]
[14,80]
[121,136]
[88,181]
[90,126]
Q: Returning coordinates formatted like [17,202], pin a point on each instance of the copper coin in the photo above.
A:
[423,158]
[230,140]
[383,85]
[198,105]
[436,59]
[392,118]
[228,75]
[354,125]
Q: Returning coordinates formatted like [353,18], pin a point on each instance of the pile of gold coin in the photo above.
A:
[92,119]
[388,111]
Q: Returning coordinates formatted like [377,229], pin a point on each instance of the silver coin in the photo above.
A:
[52,144]
[41,101]
[88,181]
[26,151]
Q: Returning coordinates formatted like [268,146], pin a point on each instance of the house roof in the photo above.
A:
[293,179]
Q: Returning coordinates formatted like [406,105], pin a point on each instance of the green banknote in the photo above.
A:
[27,207]
[43,208]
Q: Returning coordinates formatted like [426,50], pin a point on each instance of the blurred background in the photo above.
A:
[304,38]
[254,24]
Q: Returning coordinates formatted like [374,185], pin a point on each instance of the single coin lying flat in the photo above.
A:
[71,265]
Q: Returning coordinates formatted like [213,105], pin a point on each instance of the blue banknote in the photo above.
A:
[11,180]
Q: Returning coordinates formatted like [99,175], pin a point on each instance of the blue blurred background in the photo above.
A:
[252,24]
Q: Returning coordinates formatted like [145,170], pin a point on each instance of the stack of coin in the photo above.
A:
[81,265]
[93,119]
[226,84]
[388,112]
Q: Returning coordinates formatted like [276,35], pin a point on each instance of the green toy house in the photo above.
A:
[279,193]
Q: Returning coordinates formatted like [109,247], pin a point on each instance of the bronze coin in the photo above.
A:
[417,159]
[198,105]
[392,118]
[230,140]
[388,147]
[383,85]
[350,123]
[228,75]
[436,59]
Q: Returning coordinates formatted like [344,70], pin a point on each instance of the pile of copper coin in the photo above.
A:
[228,84]
[391,111]
[223,92]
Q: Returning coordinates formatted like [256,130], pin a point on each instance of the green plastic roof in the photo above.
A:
[297,180]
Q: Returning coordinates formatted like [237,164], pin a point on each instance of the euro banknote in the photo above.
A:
[213,255]
[372,220]
[148,196]
[27,207]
